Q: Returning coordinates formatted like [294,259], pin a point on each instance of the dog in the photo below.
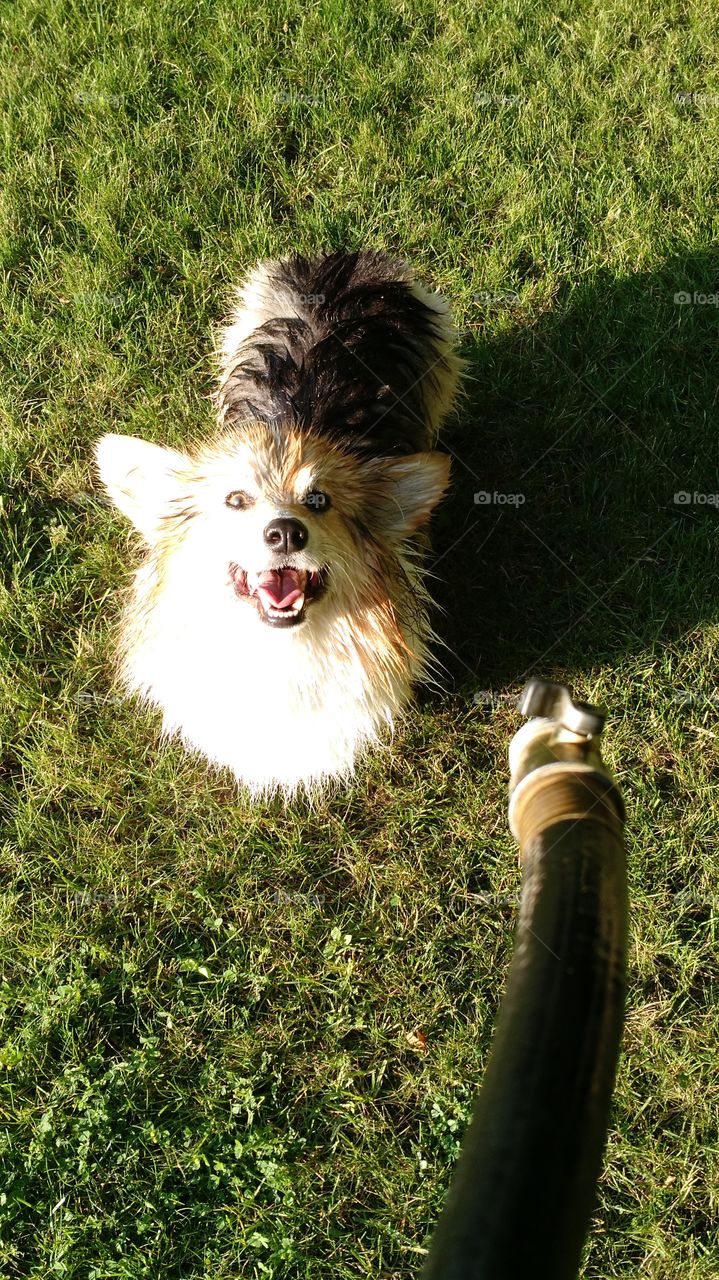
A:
[280,618]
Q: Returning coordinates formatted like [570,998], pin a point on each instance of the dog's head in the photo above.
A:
[288,524]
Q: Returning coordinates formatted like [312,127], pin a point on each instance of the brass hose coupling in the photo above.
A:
[556,767]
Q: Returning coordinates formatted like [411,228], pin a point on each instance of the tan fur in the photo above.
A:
[326,690]
[283,708]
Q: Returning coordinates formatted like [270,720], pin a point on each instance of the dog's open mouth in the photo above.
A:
[281,595]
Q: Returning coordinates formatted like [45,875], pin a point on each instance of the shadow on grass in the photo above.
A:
[580,427]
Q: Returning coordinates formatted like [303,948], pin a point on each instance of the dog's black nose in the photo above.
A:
[285,535]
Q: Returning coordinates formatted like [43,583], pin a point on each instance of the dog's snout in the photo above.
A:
[285,535]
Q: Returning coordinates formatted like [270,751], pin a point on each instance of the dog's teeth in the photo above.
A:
[298,604]
[285,613]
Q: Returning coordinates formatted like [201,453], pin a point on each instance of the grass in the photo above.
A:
[211,1055]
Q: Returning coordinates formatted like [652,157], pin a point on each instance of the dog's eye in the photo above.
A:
[238,500]
[318,500]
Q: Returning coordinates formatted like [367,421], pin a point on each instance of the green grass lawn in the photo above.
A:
[210,1056]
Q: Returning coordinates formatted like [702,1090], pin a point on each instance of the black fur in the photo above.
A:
[354,368]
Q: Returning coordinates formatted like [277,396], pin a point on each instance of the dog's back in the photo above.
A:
[350,345]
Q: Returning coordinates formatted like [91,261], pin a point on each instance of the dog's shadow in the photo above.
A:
[582,524]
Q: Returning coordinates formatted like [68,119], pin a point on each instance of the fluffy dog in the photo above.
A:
[279,619]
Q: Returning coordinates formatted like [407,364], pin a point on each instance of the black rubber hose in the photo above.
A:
[523,1191]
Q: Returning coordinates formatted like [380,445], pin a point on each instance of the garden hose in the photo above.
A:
[523,1191]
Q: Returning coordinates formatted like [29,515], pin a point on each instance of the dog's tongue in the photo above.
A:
[278,588]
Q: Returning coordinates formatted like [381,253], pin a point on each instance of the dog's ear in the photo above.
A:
[410,489]
[141,479]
